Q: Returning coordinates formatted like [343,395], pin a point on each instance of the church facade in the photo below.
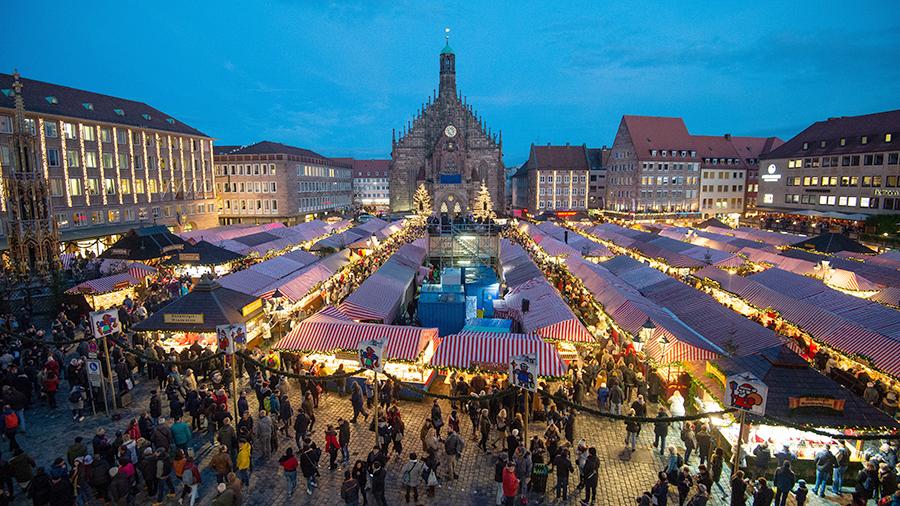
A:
[447,147]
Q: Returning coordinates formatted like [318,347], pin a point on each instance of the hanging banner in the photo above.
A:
[105,323]
[230,335]
[371,353]
[746,392]
[523,371]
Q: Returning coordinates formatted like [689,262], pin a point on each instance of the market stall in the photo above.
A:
[204,257]
[108,291]
[469,353]
[147,243]
[383,296]
[331,338]
[193,318]
[799,398]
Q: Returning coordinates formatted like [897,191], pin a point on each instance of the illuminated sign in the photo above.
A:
[771,177]
[887,193]
[816,402]
[251,307]
[189,257]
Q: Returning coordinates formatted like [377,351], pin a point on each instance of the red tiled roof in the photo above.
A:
[714,146]
[368,168]
[656,132]
[851,128]
[559,157]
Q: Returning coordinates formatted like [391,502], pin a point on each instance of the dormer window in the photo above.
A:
[693,153]
[887,137]
[665,152]
[822,144]
[120,112]
[51,100]
[7,92]
[652,152]
[864,139]
[88,106]
[170,121]
[843,141]
[146,116]
[805,145]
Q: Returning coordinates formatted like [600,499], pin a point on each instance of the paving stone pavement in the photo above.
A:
[50,433]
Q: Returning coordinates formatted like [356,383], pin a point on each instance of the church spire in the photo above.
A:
[448,69]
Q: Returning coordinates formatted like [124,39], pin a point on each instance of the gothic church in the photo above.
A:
[449,149]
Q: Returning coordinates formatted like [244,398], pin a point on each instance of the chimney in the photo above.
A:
[567,144]
[727,137]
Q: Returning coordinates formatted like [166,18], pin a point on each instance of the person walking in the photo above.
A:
[660,489]
[660,431]
[688,438]
[377,477]
[344,440]
[716,464]
[356,400]
[163,476]
[591,471]
[510,484]
[683,483]
[453,447]
[632,429]
[763,495]
[784,483]
[739,486]
[411,476]
[262,435]
[289,466]
[332,446]
[309,465]
[244,464]
[842,460]
[191,479]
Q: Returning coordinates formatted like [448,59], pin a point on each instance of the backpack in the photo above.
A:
[75,396]
[196,474]
[11,421]
[267,405]
[167,466]
[425,473]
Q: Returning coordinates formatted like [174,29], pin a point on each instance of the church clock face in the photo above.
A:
[450,131]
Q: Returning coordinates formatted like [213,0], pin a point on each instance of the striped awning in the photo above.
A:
[140,271]
[106,284]
[358,312]
[492,351]
[330,335]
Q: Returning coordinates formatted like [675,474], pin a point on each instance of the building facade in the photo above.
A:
[270,182]
[110,164]
[555,178]
[598,158]
[841,166]
[653,168]
[448,148]
[371,184]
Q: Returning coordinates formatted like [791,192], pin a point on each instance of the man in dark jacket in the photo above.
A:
[824,465]
[591,472]
[660,431]
[763,495]
[377,479]
[564,468]
[784,482]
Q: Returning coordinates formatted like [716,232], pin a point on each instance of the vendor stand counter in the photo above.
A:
[417,375]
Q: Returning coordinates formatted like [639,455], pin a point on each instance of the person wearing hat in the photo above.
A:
[801,492]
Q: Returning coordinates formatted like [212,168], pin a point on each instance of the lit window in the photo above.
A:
[887,137]
[51,100]
[864,139]
[768,198]
[87,105]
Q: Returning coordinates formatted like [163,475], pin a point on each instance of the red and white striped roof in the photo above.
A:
[326,335]
[105,284]
[463,349]
[549,316]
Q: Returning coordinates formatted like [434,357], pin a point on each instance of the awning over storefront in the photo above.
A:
[105,284]
[490,351]
[548,315]
[329,331]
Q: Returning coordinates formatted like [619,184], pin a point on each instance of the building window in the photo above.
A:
[93,186]
[125,186]
[106,136]
[113,216]
[864,139]
[109,186]
[62,220]
[50,130]
[69,130]
[768,198]
[79,219]
[90,159]
[53,157]
[75,187]
[139,186]
[90,134]
[57,187]
[72,158]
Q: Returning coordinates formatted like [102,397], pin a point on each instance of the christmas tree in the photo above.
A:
[422,204]
[483,209]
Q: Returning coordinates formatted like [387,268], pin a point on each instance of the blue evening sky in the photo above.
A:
[335,77]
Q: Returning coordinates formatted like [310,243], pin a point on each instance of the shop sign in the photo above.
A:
[816,402]
[94,372]
[746,392]
[716,373]
[184,318]
[523,371]
[251,307]
[371,354]
[189,257]
[229,335]
[105,323]
[118,251]
[771,176]
[887,193]
[121,285]
[488,366]
[171,247]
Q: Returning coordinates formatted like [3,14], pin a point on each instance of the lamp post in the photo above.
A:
[664,344]
[643,337]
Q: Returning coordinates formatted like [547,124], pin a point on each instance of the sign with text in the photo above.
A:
[523,371]
[105,323]
[187,318]
[746,392]
[371,354]
[816,402]
[230,335]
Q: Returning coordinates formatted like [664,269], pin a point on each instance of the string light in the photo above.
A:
[99,138]
[84,174]
[115,141]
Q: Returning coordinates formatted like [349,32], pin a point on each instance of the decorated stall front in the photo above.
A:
[331,338]
[193,318]
[147,243]
[108,291]
[798,400]
[469,353]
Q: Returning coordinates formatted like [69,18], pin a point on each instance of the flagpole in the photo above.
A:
[234,392]
[525,424]
[112,385]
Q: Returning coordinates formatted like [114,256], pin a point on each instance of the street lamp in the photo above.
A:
[644,335]
[664,347]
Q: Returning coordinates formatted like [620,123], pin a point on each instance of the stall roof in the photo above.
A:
[380,295]
[548,316]
[832,243]
[224,232]
[203,253]
[107,284]
[468,350]
[145,244]
[873,272]
[788,376]
[334,332]
[208,305]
